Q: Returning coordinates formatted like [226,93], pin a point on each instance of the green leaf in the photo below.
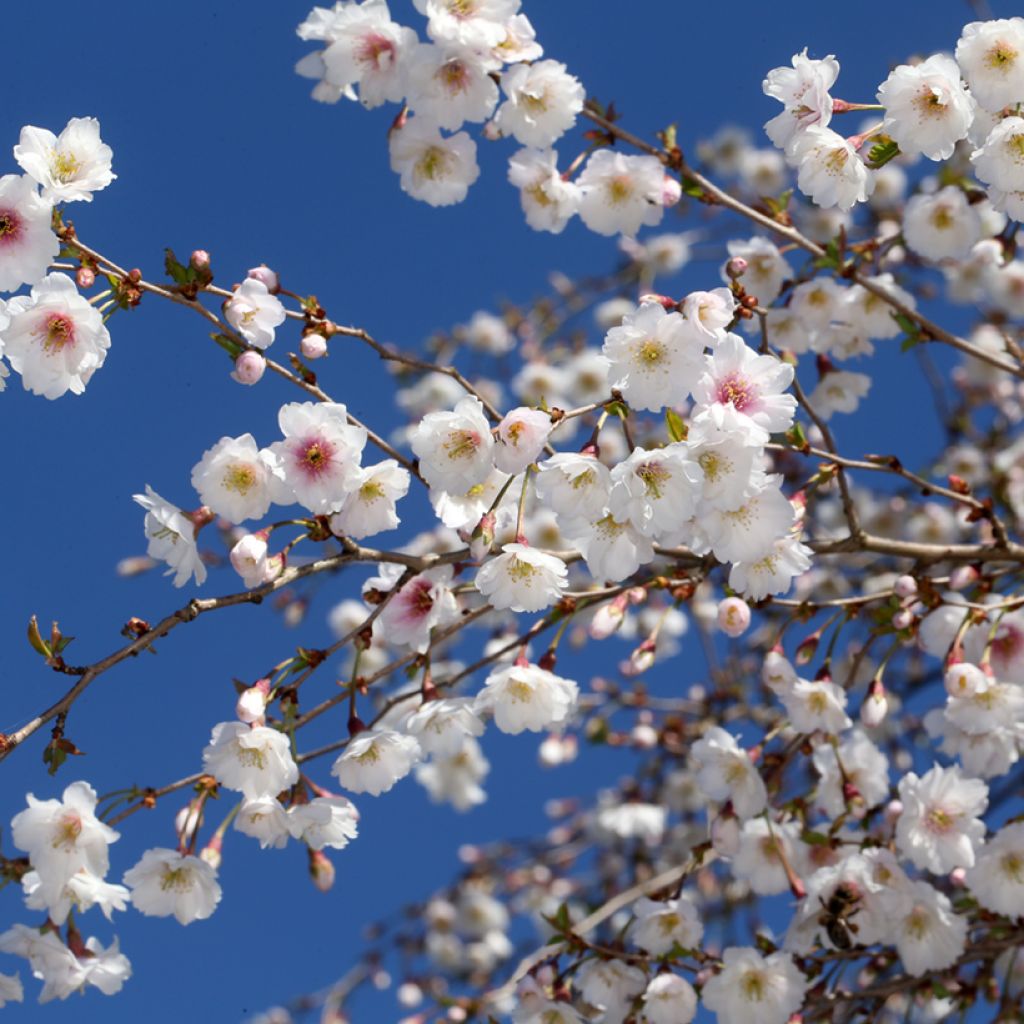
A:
[884,150]
[796,437]
[35,638]
[815,838]
[177,272]
[692,188]
[676,427]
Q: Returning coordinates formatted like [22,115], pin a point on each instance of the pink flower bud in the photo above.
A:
[733,616]
[409,994]
[608,618]
[905,586]
[85,277]
[965,680]
[313,346]
[893,810]
[321,870]
[902,619]
[491,131]
[958,878]
[644,737]
[249,558]
[640,660]
[249,367]
[211,853]
[962,577]
[736,267]
[266,276]
[671,191]
[200,259]
[665,301]
[556,750]
[252,703]
[875,706]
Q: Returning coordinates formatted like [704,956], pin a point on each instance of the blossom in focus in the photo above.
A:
[233,478]
[432,168]
[172,538]
[255,313]
[68,166]
[55,339]
[166,883]
[803,90]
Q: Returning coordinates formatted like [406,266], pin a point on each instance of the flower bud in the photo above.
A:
[893,810]
[321,870]
[249,367]
[199,260]
[211,852]
[644,737]
[958,878]
[736,267]
[671,191]
[964,680]
[608,618]
[733,616]
[483,536]
[902,619]
[556,750]
[313,346]
[409,994]
[267,277]
[252,703]
[640,660]
[905,586]
[187,820]
[875,706]
[962,577]
[85,277]
[249,558]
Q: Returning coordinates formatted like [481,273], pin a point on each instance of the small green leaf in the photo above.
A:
[884,150]
[177,272]
[35,638]
[815,838]
[676,427]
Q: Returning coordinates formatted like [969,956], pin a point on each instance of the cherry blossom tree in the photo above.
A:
[821,821]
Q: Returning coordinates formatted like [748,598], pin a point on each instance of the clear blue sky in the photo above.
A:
[217,145]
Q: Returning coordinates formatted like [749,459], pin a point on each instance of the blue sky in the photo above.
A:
[217,145]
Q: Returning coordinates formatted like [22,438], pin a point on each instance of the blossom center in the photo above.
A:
[520,570]
[753,987]
[539,195]
[520,692]
[738,390]
[1001,56]
[176,879]
[462,444]
[433,164]
[252,757]
[619,189]
[240,477]
[65,166]
[650,352]
[940,820]
[1012,865]
[10,226]
[454,76]
[371,491]
[314,456]
[376,50]
[654,477]
[69,828]
[60,332]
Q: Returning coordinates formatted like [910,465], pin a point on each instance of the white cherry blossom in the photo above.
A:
[68,166]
